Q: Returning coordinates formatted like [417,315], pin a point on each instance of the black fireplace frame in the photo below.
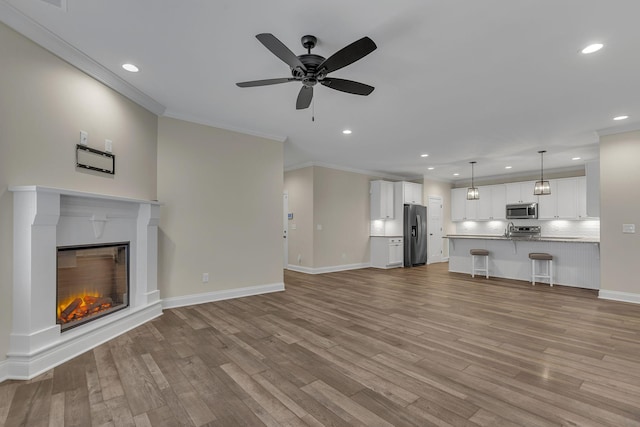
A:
[98,315]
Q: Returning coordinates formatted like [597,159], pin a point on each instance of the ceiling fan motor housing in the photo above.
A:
[311,63]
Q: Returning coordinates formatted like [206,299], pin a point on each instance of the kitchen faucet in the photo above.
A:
[510,227]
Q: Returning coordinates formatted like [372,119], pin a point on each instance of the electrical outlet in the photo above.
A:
[108,145]
[299,258]
[205,277]
[629,228]
[84,138]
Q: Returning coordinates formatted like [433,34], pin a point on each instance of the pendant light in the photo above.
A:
[472,192]
[542,187]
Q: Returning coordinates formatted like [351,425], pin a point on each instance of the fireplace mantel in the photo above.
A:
[45,218]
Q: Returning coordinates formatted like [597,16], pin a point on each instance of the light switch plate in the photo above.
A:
[84,137]
[628,228]
[108,145]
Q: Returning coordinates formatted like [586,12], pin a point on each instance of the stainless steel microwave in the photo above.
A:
[522,211]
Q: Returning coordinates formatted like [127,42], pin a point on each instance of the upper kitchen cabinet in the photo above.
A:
[592,171]
[381,200]
[461,208]
[412,193]
[563,201]
[492,202]
[520,192]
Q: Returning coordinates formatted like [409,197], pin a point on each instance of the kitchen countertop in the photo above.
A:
[526,239]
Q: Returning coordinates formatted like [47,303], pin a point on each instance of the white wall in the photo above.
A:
[44,103]
[222,212]
[620,204]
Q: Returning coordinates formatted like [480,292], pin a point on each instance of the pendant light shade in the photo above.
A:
[472,192]
[542,187]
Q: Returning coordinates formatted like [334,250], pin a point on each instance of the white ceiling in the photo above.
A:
[492,81]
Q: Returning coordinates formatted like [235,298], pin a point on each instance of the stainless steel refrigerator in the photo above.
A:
[415,235]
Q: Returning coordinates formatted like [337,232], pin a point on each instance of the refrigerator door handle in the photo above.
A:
[419,230]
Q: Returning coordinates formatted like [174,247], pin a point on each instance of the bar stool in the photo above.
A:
[481,253]
[541,256]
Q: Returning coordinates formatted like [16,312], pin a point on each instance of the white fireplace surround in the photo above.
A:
[45,218]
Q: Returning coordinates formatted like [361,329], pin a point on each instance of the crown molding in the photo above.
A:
[207,122]
[631,127]
[40,35]
[346,169]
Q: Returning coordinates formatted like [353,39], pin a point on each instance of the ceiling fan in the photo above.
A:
[311,69]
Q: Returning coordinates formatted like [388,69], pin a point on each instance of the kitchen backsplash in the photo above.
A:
[560,228]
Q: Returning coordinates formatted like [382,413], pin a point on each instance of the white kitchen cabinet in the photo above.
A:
[387,252]
[520,192]
[491,205]
[461,208]
[412,193]
[381,200]
[581,190]
[592,171]
[562,203]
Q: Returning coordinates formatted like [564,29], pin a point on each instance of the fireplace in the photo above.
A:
[91,257]
[92,282]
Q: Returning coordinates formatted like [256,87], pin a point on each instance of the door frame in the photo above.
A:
[434,225]
[285,229]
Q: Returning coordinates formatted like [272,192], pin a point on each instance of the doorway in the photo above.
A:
[285,229]
[434,227]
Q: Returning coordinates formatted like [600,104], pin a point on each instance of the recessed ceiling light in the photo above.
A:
[621,118]
[347,131]
[131,68]
[575,158]
[456,174]
[592,48]
[431,168]
[424,155]
[508,167]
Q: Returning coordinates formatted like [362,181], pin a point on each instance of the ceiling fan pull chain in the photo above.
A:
[313,109]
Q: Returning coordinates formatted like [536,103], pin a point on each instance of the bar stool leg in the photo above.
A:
[473,266]
[486,266]
[551,272]
[533,272]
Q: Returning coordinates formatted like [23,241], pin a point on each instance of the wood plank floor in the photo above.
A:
[403,347]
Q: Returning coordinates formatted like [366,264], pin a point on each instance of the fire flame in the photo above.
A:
[82,305]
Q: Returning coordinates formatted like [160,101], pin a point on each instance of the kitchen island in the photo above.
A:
[576,261]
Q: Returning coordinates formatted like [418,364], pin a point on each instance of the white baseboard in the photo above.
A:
[25,366]
[619,296]
[4,370]
[332,269]
[221,295]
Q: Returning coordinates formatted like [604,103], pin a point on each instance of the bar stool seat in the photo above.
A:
[479,253]
[541,256]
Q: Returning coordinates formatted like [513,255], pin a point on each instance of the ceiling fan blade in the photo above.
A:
[265,82]
[348,86]
[348,55]
[280,50]
[304,98]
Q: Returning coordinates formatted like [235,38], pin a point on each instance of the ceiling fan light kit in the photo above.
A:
[311,69]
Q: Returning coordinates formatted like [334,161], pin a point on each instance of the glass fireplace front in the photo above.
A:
[92,282]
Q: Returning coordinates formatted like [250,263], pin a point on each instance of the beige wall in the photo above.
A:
[619,204]
[44,103]
[339,202]
[341,207]
[299,185]
[222,212]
